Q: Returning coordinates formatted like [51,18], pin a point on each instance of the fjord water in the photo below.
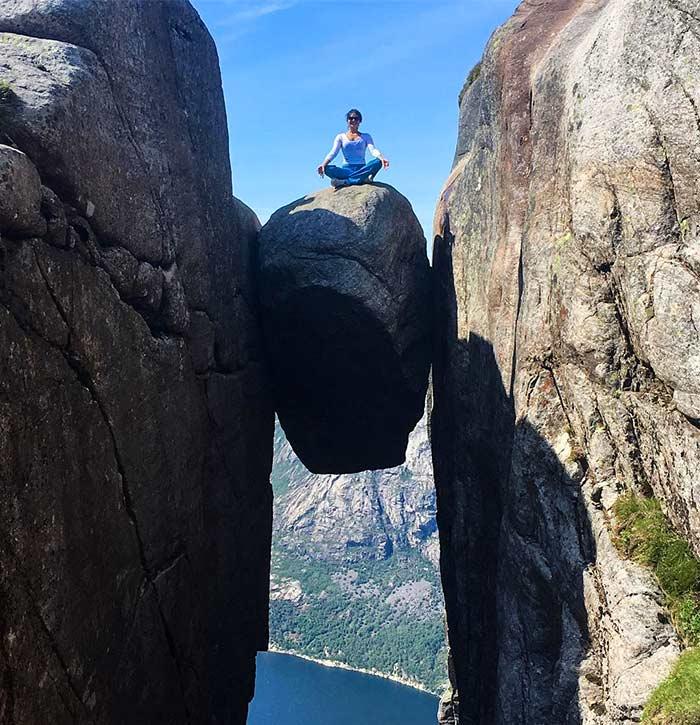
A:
[293,691]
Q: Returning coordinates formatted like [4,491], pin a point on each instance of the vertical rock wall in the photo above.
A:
[135,426]
[566,370]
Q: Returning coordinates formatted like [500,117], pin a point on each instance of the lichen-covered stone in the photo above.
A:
[345,296]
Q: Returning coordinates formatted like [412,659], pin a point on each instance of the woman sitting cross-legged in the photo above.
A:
[353,145]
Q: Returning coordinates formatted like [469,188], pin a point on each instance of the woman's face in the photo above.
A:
[353,122]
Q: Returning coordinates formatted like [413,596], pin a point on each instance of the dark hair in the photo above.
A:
[355,111]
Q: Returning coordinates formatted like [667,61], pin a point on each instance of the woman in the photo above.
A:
[353,145]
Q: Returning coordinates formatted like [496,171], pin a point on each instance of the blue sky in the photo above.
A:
[292,68]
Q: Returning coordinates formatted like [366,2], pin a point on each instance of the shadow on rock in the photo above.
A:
[515,535]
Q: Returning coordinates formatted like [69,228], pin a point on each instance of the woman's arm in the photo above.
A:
[337,143]
[374,150]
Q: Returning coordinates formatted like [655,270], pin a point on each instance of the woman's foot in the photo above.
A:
[338,183]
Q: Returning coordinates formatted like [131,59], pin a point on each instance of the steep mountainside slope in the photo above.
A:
[135,514]
[354,565]
[567,263]
[349,517]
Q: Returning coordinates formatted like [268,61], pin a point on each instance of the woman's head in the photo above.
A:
[353,117]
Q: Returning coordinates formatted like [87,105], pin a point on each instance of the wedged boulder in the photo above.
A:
[346,307]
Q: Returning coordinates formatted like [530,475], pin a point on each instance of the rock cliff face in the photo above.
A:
[568,276]
[345,304]
[136,510]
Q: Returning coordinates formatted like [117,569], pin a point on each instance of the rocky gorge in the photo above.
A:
[150,329]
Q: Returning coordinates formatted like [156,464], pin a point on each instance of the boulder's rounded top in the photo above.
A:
[355,202]
[369,217]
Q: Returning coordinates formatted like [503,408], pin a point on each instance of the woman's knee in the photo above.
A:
[333,172]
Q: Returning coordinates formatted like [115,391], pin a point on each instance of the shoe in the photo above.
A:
[337,183]
[370,179]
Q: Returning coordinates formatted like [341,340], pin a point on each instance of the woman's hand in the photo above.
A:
[385,163]
[321,170]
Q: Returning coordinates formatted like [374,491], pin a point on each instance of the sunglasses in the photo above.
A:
[353,118]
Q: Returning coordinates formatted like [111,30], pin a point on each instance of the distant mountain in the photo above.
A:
[355,565]
[360,516]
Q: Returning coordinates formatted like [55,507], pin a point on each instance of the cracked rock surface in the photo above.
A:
[135,514]
[566,372]
[345,305]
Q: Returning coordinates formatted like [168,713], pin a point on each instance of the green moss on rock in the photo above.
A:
[6,97]
[644,534]
[676,701]
[473,76]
